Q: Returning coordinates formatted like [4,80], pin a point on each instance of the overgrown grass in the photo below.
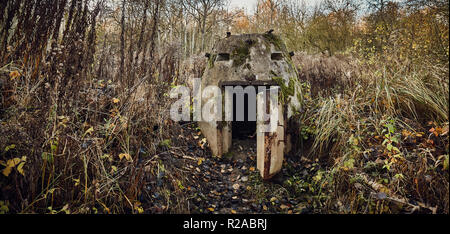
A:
[99,156]
[384,139]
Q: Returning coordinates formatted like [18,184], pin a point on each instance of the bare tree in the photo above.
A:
[200,10]
[122,43]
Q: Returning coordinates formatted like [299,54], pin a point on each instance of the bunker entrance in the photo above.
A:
[240,134]
[244,129]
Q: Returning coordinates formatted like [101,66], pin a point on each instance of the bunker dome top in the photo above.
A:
[254,59]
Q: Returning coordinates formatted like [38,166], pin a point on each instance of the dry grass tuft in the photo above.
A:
[378,136]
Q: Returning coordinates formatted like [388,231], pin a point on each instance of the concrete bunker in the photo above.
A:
[261,62]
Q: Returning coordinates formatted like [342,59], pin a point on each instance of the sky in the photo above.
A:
[249,5]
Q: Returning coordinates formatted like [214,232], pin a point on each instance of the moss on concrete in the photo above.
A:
[286,90]
[211,60]
[240,54]
[276,41]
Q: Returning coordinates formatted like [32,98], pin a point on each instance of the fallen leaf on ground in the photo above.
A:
[125,155]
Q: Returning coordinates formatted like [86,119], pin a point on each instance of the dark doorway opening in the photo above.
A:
[243,129]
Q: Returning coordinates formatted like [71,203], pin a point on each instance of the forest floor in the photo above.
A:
[232,184]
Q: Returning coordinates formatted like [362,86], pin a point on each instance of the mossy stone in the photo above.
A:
[240,54]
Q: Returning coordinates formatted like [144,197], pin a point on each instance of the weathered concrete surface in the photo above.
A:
[253,59]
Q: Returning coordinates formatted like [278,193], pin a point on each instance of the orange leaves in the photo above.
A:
[432,130]
[14,74]
[241,21]
[439,131]
[406,133]
[430,142]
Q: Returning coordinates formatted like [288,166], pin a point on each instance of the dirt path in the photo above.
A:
[232,184]
[227,185]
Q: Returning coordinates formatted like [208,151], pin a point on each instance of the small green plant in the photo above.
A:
[4,207]
[64,209]
[307,131]
[390,137]
[165,143]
